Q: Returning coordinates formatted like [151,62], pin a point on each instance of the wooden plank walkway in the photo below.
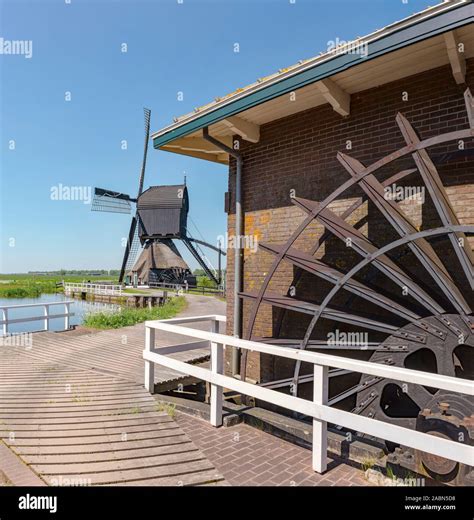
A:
[117,352]
[74,410]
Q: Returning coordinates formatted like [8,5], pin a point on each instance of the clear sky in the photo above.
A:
[172,47]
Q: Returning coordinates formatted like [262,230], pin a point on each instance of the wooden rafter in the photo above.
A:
[339,99]
[456,57]
[247,130]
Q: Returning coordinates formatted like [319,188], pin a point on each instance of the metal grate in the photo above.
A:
[110,204]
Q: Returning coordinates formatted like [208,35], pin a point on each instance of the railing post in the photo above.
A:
[5,319]
[66,318]
[217,367]
[320,396]
[46,318]
[149,365]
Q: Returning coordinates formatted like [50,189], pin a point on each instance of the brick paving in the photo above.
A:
[246,456]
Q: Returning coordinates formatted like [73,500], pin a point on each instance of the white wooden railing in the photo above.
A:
[185,288]
[93,288]
[45,317]
[318,409]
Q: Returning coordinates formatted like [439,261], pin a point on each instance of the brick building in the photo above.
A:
[282,135]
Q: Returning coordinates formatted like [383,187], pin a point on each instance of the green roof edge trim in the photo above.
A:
[440,23]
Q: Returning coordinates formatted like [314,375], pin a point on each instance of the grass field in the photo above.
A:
[31,286]
[127,316]
[27,285]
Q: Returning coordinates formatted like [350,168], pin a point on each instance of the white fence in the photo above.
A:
[318,409]
[184,288]
[46,316]
[93,288]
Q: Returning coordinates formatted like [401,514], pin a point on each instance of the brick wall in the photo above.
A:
[298,154]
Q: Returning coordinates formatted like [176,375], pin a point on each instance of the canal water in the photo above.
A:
[79,307]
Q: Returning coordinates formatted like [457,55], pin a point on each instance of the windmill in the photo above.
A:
[160,217]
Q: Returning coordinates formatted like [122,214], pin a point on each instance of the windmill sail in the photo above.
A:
[133,242]
[147,114]
[135,249]
[111,201]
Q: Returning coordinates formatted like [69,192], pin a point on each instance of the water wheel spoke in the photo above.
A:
[301,379]
[347,213]
[324,271]
[365,248]
[353,390]
[304,307]
[440,198]
[316,344]
[358,203]
[403,226]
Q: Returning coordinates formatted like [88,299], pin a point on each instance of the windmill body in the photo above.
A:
[163,212]
[160,262]
[160,217]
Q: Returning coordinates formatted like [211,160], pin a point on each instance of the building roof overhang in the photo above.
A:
[424,41]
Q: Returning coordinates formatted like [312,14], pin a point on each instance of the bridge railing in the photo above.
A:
[193,289]
[46,316]
[318,408]
[93,288]
[178,288]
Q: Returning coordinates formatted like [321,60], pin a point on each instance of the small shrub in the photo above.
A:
[126,316]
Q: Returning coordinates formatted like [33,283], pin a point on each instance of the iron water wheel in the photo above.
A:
[425,323]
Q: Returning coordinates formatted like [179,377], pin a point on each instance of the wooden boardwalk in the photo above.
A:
[117,352]
[73,408]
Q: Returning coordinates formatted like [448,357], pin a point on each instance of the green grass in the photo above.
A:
[127,316]
[368,463]
[390,473]
[204,281]
[32,286]
[169,408]
[137,291]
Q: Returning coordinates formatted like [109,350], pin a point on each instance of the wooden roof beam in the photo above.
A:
[339,99]
[247,130]
[198,144]
[456,57]
[220,158]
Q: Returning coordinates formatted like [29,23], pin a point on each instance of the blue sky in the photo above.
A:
[171,47]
